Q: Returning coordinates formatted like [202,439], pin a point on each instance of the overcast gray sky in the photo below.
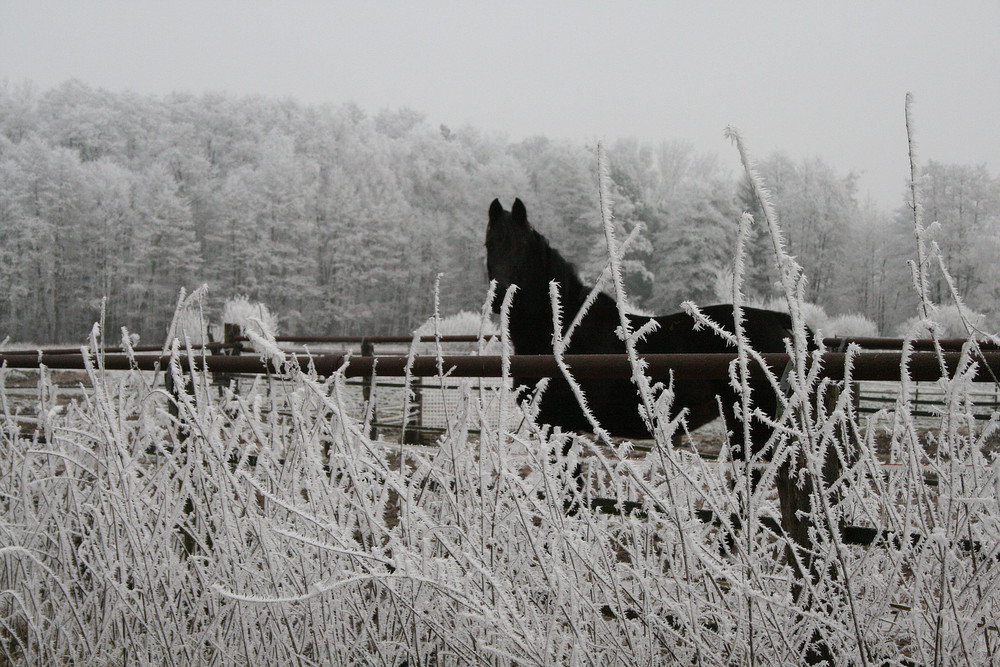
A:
[823,79]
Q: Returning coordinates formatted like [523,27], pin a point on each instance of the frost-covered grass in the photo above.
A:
[297,540]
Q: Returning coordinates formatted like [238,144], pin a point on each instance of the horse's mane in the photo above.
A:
[558,268]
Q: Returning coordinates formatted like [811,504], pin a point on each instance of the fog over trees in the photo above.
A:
[340,219]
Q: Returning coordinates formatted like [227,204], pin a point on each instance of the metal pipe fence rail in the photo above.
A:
[214,348]
[377,340]
[869,367]
[921,366]
[917,344]
[831,343]
[225,360]
[236,342]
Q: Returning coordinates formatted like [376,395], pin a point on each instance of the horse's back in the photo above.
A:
[766,331]
[615,402]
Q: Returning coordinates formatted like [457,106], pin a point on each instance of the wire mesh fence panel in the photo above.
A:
[927,400]
[442,401]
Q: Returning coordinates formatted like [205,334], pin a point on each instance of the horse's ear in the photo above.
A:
[518,213]
[496,209]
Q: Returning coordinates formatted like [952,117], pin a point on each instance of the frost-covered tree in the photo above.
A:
[166,252]
[659,183]
[864,285]
[818,209]
[342,220]
[114,238]
[45,200]
[965,202]
[961,209]
[562,177]
[693,246]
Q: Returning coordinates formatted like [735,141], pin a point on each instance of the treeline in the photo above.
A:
[341,220]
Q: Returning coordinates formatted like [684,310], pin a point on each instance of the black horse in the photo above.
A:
[518,255]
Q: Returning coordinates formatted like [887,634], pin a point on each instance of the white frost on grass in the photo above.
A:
[257,324]
[123,543]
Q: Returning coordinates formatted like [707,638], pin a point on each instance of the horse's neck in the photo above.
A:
[531,322]
[572,291]
[530,336]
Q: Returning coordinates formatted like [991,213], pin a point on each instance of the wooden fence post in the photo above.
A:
[368,350]
[188,540]
[174,405]
[230,336]
[412,433]
[796,488]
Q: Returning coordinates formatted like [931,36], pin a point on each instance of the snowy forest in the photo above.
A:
[340,219]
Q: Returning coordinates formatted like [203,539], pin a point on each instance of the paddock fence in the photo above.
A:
[230,363]
[438,383]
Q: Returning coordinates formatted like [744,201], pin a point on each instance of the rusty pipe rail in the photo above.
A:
[917,344]
[923,366]
[377,340]
[214,348]
[833,343]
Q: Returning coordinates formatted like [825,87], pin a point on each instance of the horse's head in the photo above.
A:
[509,256]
